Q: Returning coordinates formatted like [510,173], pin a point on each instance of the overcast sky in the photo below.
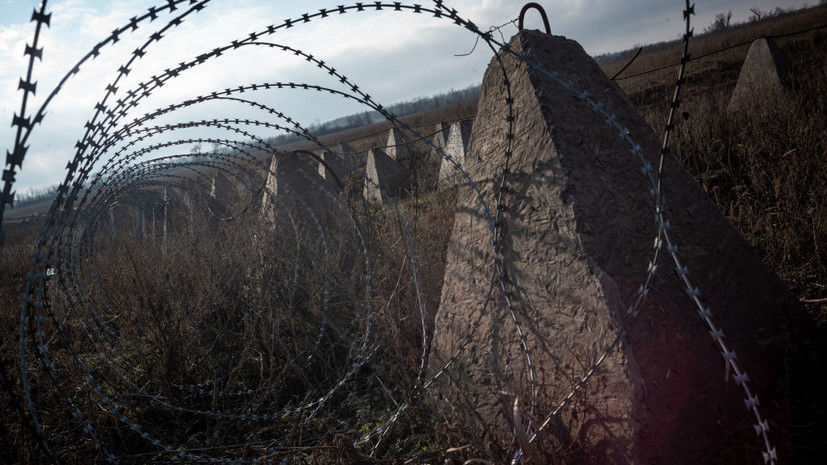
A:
[393,56]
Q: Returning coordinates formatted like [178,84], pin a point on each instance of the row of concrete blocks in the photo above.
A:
[385,169]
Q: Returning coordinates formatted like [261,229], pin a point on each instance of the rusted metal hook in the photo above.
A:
[537,7]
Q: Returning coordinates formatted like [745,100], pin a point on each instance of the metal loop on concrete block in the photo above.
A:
[540,9]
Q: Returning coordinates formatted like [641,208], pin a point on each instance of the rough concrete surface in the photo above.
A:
[764,75]
[387,173]
[295,189]
[397,146]
[578,235]
[442,132]
[333,169]
[349,154]
[456,146]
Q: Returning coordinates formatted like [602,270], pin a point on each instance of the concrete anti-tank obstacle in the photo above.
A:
[441,133]
[439,140]
[577,238]
[383,174]
[341,170]
[343,148]
[349,155]
[352,162]
[397,146]
[456,146]
[293,179]
[331,169]
[221,188]
[764,76]
[124,217]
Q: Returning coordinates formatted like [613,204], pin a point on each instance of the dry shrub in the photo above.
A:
[238,303]
[764,167]
[236,312]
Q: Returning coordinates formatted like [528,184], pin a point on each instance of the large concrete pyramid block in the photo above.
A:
[460,136]
[221,190]
[397,146]
[577,241]
[456,147]
[764,75]
[441,133]
[348,154]
[122,217]
[344,148]
[332,169]
[293,180]
[384,174]
[439,138]
[341,169]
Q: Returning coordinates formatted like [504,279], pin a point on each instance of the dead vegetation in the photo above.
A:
[185,314]
[764,169]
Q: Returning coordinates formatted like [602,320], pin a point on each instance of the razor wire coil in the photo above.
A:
[72,234]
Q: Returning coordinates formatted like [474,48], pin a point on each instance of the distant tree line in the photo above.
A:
[721,22]
[34,195]
[365,118]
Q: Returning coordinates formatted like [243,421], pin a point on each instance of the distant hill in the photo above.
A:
[405,108]
[721,26]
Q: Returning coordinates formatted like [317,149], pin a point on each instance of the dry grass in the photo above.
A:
[239,302]
[764,168]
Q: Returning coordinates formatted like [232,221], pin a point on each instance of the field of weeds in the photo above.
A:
[764,168]
[222,301]
[761,166]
